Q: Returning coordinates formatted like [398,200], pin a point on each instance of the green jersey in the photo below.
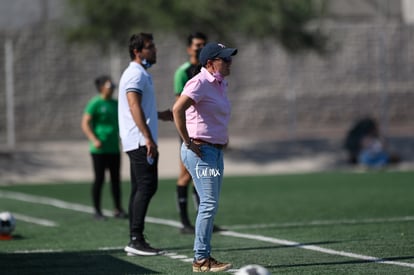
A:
[182,75]
[104,124]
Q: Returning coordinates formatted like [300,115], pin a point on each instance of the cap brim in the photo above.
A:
[227,52]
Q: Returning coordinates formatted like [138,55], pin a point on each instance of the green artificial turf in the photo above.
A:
[361,213]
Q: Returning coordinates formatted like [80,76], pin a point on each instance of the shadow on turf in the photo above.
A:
[65,263]
[340,262]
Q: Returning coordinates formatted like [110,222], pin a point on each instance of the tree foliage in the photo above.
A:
[290,22]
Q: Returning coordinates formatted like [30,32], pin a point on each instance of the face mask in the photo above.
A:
[218,76]
[146,64]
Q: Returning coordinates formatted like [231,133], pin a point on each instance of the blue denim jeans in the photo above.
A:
[207,174]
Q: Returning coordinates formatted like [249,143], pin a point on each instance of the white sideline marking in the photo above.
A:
[38,251]
[321,222]
[179,257]
[46,201]
[314,248]
[168,254]
[175,256]
[88,209]
[74,206]
[110,248]
[164,222]
[188,260]
[34,220]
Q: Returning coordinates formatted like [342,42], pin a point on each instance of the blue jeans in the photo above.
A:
[373,159]
[207,174]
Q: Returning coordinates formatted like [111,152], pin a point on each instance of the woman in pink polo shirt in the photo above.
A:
[201,115]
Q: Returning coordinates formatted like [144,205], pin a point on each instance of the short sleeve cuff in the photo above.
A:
[134,90]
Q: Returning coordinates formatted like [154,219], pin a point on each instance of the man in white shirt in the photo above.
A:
[138,127]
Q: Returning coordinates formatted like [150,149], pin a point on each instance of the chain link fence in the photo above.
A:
[369,72]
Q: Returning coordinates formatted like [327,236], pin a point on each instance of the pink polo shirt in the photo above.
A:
[209,117]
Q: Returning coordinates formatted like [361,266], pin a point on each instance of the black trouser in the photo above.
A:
[101,162]
[144,183]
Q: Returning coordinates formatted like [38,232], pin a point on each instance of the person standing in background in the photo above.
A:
[100,125]
[138,128]
[186,71]
[201,116]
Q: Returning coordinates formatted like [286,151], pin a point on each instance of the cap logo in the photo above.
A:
[221,45]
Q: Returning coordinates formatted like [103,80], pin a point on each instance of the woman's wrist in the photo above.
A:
[188,143]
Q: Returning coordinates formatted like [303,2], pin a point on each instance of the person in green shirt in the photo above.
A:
[195,43]
[100,125]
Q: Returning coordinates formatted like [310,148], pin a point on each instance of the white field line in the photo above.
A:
[314,248]
[110,248]
[176,256]
[321,222]
[87,209]
[34,220]
[46,201]
[38,251]
[171,223]
[73,206]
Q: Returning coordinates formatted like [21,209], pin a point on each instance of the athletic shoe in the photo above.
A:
[210,265]
[187,229]
[99,217]
[142,248]
[120,214]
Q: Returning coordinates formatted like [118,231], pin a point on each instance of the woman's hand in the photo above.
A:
[194,147]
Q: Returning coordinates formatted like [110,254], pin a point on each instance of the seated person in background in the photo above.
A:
[366,147]
[372,152]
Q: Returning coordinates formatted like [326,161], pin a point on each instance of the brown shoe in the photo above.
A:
[210,265]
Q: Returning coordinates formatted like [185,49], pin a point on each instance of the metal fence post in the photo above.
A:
[9,76]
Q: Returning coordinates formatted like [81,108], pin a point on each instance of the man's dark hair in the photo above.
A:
[100,81]
[137,42]
[198,35]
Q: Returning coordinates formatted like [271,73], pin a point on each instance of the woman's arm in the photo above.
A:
[180,106]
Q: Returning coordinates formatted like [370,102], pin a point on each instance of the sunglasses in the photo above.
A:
[225,59]
[109,85]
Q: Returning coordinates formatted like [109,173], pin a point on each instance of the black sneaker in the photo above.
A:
[187,229]
[99,217]
[142,248]
[120,214]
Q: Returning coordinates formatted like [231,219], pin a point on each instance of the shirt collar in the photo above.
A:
[207,75]
[138,66]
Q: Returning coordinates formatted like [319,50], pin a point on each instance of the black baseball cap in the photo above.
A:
[215,50]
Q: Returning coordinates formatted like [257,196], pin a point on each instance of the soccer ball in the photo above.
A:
[252,269]
[7,223]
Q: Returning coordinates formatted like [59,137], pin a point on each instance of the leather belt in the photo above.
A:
[197,141]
